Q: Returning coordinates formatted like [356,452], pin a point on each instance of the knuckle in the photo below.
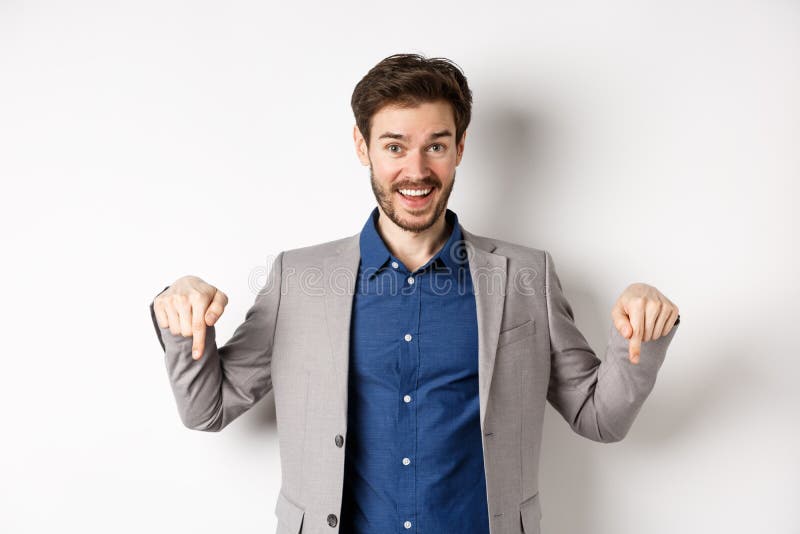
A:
[197,297]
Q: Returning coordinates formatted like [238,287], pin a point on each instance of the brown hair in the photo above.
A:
[408,80]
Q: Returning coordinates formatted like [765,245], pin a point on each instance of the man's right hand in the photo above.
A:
[187,307]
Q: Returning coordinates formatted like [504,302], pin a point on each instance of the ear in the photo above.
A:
[361,146]
[460,148]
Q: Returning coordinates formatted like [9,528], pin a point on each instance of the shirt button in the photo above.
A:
[406,461]
[407,337]
[339,440]
[407,398]
[332,520]
[407,524]
[395,264]
[410,279]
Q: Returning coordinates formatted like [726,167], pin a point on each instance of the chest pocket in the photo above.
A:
[516,333]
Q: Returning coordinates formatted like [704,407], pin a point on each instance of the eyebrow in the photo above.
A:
[434,135]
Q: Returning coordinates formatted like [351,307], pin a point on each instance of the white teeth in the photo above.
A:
[415,192]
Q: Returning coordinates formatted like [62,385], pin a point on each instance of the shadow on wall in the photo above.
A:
[264,419]
[513,153]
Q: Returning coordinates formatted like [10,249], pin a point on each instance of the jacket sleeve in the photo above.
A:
[599,399]
[227,381]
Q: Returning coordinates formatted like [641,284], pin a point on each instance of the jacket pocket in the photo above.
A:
[290,515]
[516,333]
[530,512]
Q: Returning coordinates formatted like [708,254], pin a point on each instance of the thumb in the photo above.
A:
[216,308]
[621,322]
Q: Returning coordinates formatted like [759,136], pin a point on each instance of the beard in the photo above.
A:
[385,198]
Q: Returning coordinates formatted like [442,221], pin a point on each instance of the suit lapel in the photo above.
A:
[340,271]
[488,272]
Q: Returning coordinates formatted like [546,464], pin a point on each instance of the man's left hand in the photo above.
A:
[643,313]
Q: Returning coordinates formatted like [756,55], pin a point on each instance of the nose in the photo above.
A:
[416,165]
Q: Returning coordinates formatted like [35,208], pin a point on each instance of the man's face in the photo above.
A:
[412,149]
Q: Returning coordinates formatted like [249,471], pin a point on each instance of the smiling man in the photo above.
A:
[412,361]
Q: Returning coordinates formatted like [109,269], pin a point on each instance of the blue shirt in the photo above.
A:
[414,460]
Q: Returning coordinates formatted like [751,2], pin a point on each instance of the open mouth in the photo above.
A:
[416,199]
[413,194]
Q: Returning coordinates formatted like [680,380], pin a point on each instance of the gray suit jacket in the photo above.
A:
[294,341]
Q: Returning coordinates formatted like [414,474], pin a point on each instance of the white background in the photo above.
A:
[636,141]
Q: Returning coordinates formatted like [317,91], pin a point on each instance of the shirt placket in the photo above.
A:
[407,398]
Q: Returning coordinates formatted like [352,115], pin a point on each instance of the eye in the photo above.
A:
[439,145]
[389,147]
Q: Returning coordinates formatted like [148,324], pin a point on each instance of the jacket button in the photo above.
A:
[332,520]
[339,440]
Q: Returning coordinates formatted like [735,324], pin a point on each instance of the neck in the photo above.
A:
[414,249]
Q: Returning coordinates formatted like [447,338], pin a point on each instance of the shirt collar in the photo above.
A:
[375,254]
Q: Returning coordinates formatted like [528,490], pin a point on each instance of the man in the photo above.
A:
[411,362]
